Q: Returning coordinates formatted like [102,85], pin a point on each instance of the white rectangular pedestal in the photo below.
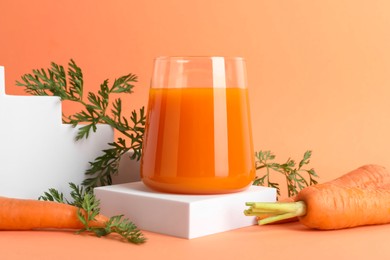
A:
[186,216]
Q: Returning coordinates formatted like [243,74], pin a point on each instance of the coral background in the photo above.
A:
[318,71]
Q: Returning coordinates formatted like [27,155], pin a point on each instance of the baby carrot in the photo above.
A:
[26,214]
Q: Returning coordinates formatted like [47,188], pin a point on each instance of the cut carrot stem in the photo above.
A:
[276,218]
[275,207]
[277,210]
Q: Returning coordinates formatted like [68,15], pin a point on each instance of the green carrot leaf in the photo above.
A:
[88,209]
[69,85]
[295,181]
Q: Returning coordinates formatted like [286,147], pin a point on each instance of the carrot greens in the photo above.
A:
[294,174]
[97,109]
[88,210]
[116,224]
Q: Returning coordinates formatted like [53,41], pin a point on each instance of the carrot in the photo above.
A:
[336,207]
[361,197]
[26,214]
[330,206]
[366,176]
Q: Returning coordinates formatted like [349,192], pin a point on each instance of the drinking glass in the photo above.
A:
[198,136]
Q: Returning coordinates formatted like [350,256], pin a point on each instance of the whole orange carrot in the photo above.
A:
[26,214]
[360,197]
[331,206]
[366,176]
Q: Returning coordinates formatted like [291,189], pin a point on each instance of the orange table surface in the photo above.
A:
[285,241]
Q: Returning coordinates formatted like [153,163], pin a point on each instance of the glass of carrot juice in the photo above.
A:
[198,136]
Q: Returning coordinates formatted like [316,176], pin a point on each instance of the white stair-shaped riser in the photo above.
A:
[37,151]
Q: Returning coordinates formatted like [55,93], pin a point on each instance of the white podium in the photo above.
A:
[185,216]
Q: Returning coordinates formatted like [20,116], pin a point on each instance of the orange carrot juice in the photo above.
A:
[198,141]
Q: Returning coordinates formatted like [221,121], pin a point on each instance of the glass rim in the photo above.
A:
[205,57]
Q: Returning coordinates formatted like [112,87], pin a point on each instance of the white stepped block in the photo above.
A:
[37,151]
[185,216]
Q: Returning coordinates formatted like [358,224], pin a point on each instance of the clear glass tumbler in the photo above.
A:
[198,136]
